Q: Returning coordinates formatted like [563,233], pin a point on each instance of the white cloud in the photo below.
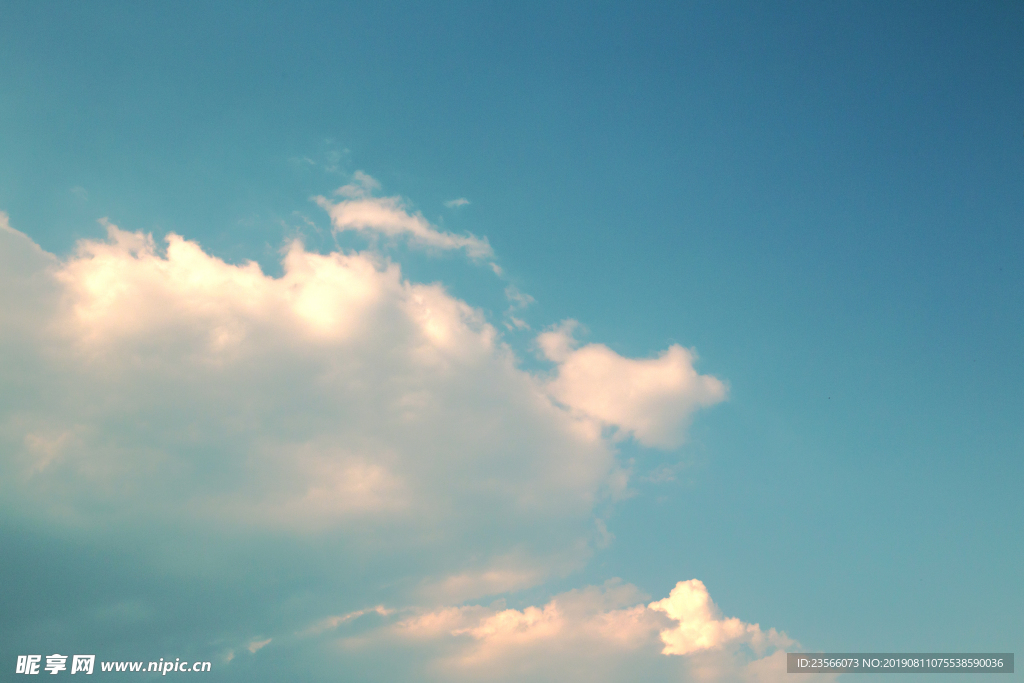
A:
[256,645]
[479,642]
[699,625]
[603,633]
[152,385]
[651,398]
[456,203]
[609,614]
[360,211]
[510,572]
[514,323]
[516,298]
[517,301]
[558,343]
[377,371]
[159,382]
[333,622]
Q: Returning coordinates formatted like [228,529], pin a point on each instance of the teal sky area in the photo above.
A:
[823,201]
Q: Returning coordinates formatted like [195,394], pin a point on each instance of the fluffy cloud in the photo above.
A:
[605,616]
[176,386]
[168,384]
[361,211]
[651,398]
[603,633]
[350,430]
[699,625]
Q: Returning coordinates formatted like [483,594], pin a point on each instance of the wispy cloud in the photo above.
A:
[256,645]
[517,301]
[456,203]
[333,622]
[516,298]
[388,216]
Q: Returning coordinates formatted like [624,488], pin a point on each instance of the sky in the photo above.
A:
[527,341]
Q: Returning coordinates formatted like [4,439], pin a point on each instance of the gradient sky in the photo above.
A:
[621,296]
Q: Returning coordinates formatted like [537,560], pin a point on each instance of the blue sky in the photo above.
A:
[819,205]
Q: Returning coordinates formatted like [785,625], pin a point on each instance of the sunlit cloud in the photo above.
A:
[359,210]
[339,402]
[650,398]
[603,633]
[336,396]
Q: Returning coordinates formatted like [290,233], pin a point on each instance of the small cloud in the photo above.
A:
[329,159]
[362,185]
[701,626]
[664,474]
[456,203]
[604,537]
[650,398]
[516,298]
[257,644]
[517,301]
[80,192]
[514,323]
[361,211]
[335,621]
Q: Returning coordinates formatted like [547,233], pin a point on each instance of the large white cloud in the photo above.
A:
[599,633]
[167,384]
[151,386]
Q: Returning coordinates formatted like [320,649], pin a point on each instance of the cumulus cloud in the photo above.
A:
[169,384]
[151,385]
[650,398]
[604,615]
[700,627]
[604,633]
[336,390]
[359,210]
